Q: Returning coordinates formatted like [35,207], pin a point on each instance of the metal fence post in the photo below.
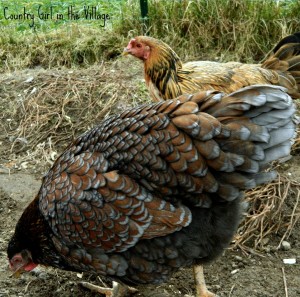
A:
[144,14]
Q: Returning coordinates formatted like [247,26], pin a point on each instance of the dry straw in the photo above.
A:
[274,208]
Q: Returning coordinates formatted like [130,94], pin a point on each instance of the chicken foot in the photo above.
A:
[201,289]
[117,290]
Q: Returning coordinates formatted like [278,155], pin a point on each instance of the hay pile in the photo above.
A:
[43,110]
[274,209]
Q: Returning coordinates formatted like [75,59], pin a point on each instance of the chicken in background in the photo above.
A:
[167,77]
[155,188]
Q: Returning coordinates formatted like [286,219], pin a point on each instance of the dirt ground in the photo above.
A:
[235,274]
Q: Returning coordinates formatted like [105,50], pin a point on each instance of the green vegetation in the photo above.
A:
[197,29]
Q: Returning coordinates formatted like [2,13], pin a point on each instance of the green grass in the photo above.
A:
[243,29]
[196,29]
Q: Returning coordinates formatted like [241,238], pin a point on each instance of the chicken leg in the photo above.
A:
[117,290]
[201,290]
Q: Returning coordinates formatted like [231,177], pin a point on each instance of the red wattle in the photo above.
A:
[30,266]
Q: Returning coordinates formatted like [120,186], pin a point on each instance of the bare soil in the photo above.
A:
[235,274]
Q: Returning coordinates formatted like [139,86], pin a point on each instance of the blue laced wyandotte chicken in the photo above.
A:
[155,188]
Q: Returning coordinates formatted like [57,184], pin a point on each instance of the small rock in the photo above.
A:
[265,241]
[286,246]
[43,275]
[238,258]
[33,90]
[235,271]
[24,165]
[29,79]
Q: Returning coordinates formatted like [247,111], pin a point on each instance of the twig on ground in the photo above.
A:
[284,281]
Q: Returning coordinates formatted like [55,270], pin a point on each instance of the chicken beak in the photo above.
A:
[17,273]
[126,51]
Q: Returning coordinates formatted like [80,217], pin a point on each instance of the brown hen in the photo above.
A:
[167,77]
[155,188]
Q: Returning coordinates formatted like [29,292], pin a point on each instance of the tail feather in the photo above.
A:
[276,153]
[286,60]
[294,38]
[274,114]
[237,136]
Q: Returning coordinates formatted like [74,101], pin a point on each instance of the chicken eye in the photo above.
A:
[139,45]
[17,260]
